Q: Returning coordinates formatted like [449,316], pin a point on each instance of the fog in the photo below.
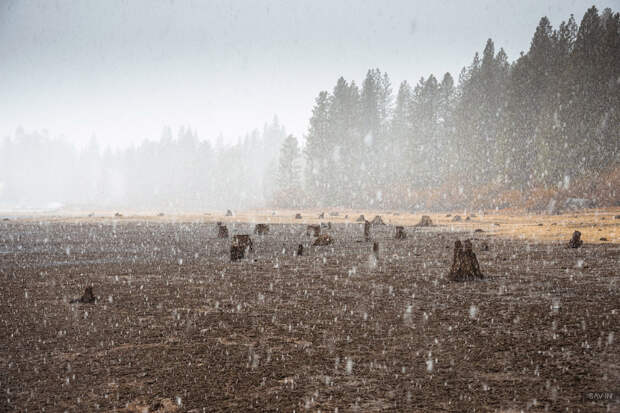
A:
[188,105]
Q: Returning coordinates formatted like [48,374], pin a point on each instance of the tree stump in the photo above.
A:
[400,233]
[425,221]
[261,229]
[240,244]
[575,241]
[229,213]
[361,218]
[237,252]
[322,240]
[465,265]
[243,240]
[300,250]
[322,215]
[118,215]
[377,220]
[375,248]
[297,216]
[367,230]
[456,218]
[87,298]
[313,230]
[222,231]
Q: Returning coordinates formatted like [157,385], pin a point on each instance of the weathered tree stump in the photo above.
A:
[313,230]
[237,252]
[322,240]
[465,265]
[118,215]
[297,216]
[243,240]
[467,219]
[375,248]
[222,231]
[261,229]
[425,221]
[575,241]
[400,233]
[229,213]
[377,220]
[87,298]
[322,215]
[300,250]
[361,218]
[240,244]
[367,230]
[456,218]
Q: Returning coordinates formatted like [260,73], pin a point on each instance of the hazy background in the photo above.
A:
[122,70]
[198,105]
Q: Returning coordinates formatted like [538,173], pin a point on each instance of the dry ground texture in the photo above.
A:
[178,327]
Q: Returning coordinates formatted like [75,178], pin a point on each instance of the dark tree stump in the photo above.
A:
[240,244]
[118,215]
[456,218]
[297,216]
[322,240]
[400,233]
[87,298]
[300,250]
[313,230]
[465,265]
[322,215]
[244,241]
[222,231]
[575,241]
[425,221]
[229,213]
[237,252]
[261,229]
[367,230]
[375,248]
[377,220]
[360,218]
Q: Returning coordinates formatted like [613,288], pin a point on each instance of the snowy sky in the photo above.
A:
[123,69]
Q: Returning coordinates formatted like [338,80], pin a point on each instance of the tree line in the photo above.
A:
[170,174]
[502,135]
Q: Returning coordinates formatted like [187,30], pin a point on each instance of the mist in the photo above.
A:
[405,105]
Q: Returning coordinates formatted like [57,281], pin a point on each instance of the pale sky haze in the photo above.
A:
[122,70]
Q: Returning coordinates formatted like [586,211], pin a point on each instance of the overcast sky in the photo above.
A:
[122,70]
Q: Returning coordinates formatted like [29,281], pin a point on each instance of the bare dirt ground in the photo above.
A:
[178,327]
